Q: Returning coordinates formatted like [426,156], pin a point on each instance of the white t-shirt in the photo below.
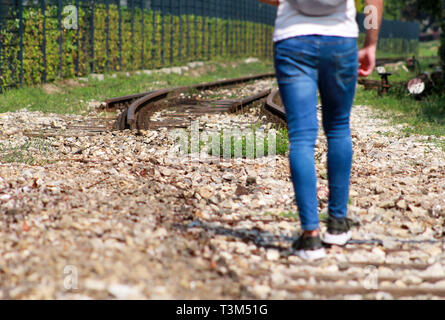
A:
[290,23]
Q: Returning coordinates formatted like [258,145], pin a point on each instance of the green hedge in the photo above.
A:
[170,47]
[202,38]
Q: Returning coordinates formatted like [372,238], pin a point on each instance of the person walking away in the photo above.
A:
[315,48]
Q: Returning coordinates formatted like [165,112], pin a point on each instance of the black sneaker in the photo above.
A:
[338,232]
[309,248]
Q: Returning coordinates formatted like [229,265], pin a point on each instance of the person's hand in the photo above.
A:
[272,2]
[366,57]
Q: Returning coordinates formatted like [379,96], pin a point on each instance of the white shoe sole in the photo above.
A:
[311,254]
[337,239]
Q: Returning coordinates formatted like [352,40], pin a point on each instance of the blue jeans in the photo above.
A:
[304,64]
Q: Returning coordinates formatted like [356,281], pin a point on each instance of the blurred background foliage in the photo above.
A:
[154,41]
[150,39]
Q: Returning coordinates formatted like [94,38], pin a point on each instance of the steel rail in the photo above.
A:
[121,100]
[272,104]
[128,119]
[112,103]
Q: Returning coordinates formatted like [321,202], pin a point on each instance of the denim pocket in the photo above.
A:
[293,59]
[346,64]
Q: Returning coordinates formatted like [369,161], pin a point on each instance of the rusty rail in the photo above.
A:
[143,105]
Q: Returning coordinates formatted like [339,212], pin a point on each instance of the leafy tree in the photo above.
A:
[360,5]
[430,13]
[436,10]
[442,39]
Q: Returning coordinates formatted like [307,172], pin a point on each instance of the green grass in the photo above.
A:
[423,117]
[74,98]
[282,143]
[401,75]
[385,55]
[25,153]
[290,215]
[323,216]
[429,48]
[238,141]
[428,54]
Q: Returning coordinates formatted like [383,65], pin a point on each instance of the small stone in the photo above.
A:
[333,268]
[166,172]
[255,204]
[436,270]
[176,70]
[261,291]
[121,292]
[353,297]
[205,192]
[5,197]
[251,180]
[412,280]
[92,284]
[390,244]
[97,76]
[241,248]
[440,284]
[165,70]
[401,204]
[294,259]
[433,250]
[66,221]
[195,64]
[353,193]
[240,190]
[418,211]
[160,293]
[272,255]
[16,292]
[307,295]
[251,60]
[228,176]
[415,228]
[160,233]
[278,278]
[386,204]
[384,271]
[357,257]
[379,189]
[227,204]
[385,284]
[383,296]
[379,252]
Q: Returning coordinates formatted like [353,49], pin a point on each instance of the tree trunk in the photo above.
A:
[420,86]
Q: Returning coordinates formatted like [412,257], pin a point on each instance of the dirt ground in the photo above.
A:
[102,215]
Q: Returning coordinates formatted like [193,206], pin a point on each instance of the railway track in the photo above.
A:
[138,109]
[183,104]
[117,196]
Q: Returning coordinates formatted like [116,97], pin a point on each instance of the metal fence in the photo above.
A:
[41,40]
[396,37]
